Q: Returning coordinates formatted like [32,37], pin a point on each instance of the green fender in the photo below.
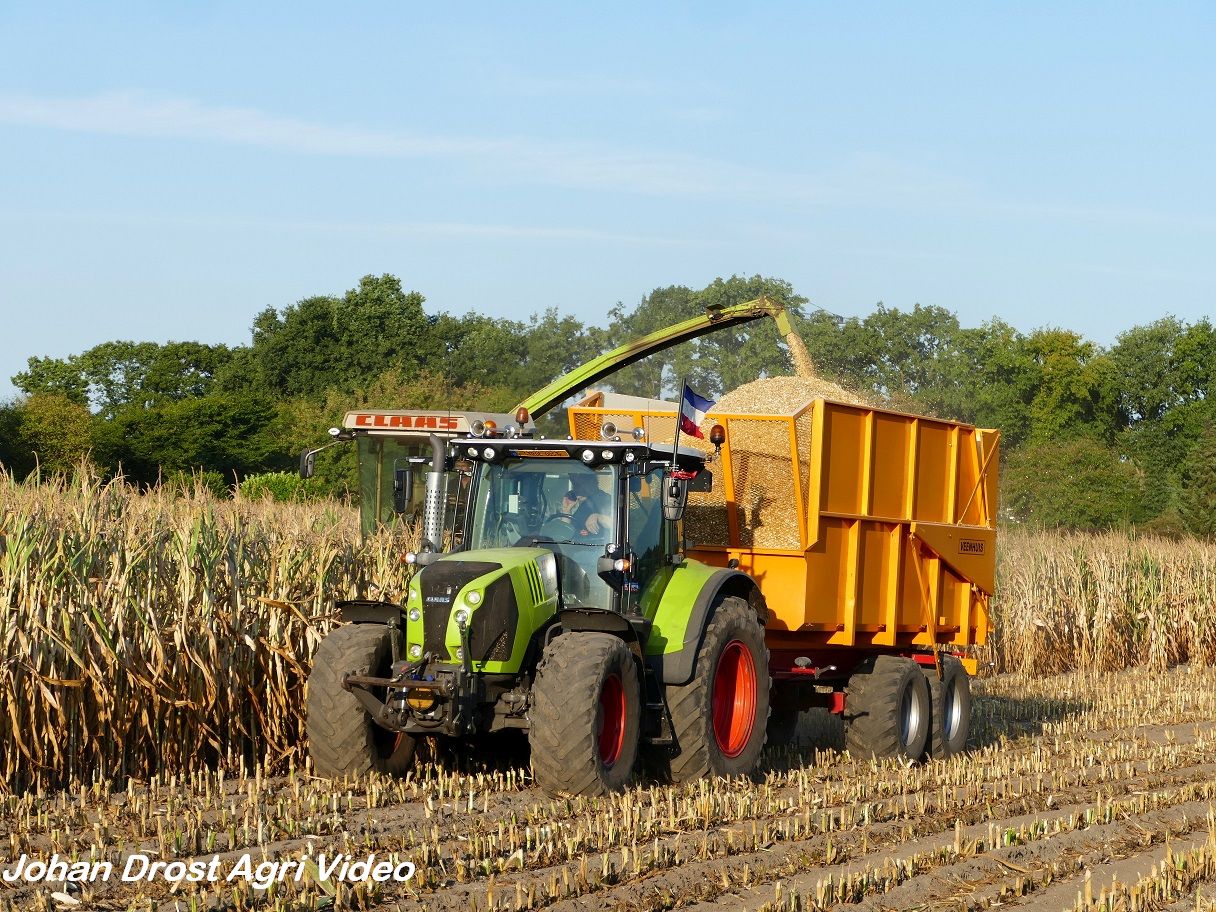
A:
[684,611]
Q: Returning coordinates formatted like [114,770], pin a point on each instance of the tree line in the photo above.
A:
[1094,437]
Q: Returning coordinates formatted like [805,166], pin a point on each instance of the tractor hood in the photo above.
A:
[501,595]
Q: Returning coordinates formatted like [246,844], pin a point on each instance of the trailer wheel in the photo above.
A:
[342,738]
[720,716]
[887,713]
[950,708]
[585,716]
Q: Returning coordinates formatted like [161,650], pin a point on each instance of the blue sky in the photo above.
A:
[168,170]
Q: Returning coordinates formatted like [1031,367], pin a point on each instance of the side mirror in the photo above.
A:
[308,463]
[675,496]
[403,489]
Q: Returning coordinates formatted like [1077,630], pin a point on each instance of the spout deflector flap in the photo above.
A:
[969,550]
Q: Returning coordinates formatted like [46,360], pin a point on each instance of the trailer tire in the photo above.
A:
[585,716]
[950,708]
[343,741]
[720,717]
[887,713]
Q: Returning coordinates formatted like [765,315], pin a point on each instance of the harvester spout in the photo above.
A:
[713,319]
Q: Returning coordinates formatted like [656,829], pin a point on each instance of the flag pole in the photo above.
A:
[675,442]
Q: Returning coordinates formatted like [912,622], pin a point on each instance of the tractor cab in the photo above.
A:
[606,510]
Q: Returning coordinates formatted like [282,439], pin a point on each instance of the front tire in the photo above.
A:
[585,716]
[342,738]
[720,716]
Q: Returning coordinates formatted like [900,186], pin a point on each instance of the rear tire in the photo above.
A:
[585,716]
[887,712]
[950,706]
[342,738]
[720,716]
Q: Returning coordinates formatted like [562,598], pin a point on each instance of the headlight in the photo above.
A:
[415,614]
[489,453]
[588,455]
[473,598]
[411,557]
[606,455]
[472,451]
[461,616]
[415,651]
[630,455]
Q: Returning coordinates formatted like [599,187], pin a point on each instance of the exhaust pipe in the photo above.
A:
[436,495]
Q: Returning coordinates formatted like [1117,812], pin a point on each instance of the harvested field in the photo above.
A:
[1081,788]
[160,638]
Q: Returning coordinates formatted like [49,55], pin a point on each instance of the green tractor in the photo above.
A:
[567,611]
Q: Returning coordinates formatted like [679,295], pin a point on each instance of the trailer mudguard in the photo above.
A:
[684,612]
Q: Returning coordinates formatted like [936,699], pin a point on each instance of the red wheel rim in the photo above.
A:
[734,699]
[612,720]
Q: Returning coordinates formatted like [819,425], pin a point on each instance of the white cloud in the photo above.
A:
[376,229]
[565,164]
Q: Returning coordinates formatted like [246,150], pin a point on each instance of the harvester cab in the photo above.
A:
[404,471]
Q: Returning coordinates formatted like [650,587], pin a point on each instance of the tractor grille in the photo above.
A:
[493,635]
[441,582]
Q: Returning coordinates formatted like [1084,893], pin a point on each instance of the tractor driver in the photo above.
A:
[587,505]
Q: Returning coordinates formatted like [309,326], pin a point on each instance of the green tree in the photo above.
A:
[50,432]
[1198,501]
[1077,391]
[323,342]
[511,357]
[113,375]
[1073,483]
[224,432]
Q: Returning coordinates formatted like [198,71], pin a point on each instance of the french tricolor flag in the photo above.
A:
[693,409]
